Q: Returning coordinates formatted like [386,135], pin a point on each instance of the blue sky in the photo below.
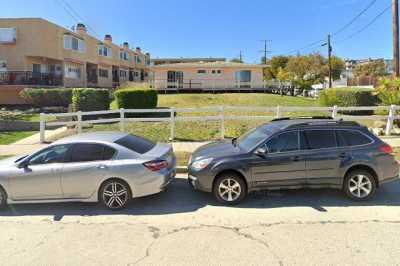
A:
[188,28]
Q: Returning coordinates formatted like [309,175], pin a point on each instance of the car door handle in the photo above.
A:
[102,166]
[342,155]
[296,158]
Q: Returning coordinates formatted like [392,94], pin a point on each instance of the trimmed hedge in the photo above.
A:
[349,97]
[39,97]
[90,99]
[133,98]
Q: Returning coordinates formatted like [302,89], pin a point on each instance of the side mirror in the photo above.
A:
[261,151]
[23,164]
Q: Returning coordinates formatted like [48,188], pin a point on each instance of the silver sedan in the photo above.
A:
[110,167]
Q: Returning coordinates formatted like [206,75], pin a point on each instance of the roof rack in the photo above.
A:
[340,122]
[302,117]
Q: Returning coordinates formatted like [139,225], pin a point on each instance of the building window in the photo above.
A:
[123,74]
[8,35]
[36,68]
[124,55]
[216,72]
[73,43]
[105,51]
[3,65]
[201,71]
[72,71]
[103,73]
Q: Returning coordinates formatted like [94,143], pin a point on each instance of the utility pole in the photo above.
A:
[330,60]
[265,51]
[395,22]
[241,57]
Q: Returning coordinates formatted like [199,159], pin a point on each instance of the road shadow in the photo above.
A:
[180,198]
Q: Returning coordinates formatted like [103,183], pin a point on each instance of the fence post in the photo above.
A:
[172,123]
[278,111]
[79,115]
[42,127]
[334,112]
[122,119]
[389,124]
[222,116]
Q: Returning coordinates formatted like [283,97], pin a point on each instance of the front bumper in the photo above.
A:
[391,179]
[200,183]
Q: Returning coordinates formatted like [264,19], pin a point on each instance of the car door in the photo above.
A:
[40,178]
[86,165]
[283,164]
[324,157]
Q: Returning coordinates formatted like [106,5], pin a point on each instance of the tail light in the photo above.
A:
[156,165]
[386,149]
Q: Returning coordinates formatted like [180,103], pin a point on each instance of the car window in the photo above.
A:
[352,138]
[284,142]
[320,139]
[136,144]
[88,152]
[54,154]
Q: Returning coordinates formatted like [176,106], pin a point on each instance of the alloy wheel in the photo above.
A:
[360,186]
[229,189]
[115,195]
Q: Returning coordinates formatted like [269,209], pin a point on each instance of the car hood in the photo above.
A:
[215,150]
[9,161]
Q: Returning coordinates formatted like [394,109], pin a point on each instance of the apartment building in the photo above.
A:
[36,52]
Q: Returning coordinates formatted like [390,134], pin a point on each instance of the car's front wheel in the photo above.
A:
[3,198]
[115,194]
[359,185]
[230,189]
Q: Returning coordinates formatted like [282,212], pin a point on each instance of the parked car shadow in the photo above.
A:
[180,198]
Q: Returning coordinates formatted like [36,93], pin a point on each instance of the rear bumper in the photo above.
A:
[168,178]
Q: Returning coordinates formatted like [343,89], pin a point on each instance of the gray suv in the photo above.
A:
[316,152]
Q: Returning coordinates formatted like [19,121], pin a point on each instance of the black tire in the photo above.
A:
[356,190]
[115,194]
[235,186]
[3,199]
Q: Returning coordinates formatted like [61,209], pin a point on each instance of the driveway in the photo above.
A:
[181,227]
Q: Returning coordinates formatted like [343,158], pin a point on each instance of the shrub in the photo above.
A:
[348,97]
[47,97]
[136,98]
[388,91]
[90,99]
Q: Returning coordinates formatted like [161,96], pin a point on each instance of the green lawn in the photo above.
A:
[11,137]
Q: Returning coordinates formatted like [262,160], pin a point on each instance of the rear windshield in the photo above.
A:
[136,144]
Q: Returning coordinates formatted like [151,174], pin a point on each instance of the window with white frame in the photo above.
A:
[123,55]
[73,43]
[72,71]
[138,59]
[105,51]
[201,72]
[216,72]
[123,74]
[103,73]
[8,35]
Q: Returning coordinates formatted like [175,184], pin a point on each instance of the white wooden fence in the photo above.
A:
[224,113]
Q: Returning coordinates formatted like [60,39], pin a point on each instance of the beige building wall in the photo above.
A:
[41,42]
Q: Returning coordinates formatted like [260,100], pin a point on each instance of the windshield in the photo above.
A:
[250,140]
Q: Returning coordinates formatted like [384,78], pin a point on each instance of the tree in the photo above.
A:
[375,68]
[275,64]
[236,60]
[338,66]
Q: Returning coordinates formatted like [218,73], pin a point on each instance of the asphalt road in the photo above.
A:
[182,227]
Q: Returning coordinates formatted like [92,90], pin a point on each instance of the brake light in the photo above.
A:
[386,149]
[156,165]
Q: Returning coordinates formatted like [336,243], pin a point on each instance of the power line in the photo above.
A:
[366,26]
[75,15]
[355,18]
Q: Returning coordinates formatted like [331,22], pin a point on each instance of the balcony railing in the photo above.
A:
[30,78]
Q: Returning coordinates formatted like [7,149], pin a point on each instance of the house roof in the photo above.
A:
[211,64]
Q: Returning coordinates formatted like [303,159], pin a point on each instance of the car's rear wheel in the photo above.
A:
[229,189]
[3,198]
[115,194]
[359,185]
